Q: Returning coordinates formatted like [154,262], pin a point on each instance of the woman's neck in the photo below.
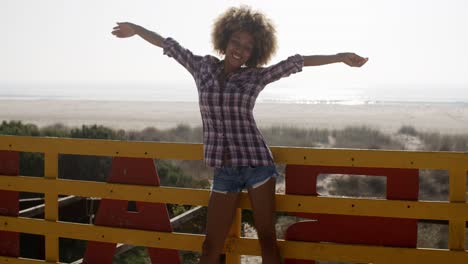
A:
[228,69]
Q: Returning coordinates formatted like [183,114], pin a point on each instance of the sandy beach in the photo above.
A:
[388,117]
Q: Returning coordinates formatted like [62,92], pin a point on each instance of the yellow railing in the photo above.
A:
[455,211]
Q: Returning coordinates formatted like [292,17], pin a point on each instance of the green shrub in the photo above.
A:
[55,130]
[17,128]
[292,136]
[95,132]
[364,138]
[408,130]
[357,186]
[438,142]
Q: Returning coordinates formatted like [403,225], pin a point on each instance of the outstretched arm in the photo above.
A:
[295,63]
[126,29]
[170,47]
[349,59]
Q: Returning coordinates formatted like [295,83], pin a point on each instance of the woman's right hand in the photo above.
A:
[124,30]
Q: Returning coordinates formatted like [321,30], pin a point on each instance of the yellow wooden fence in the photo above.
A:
[455,211]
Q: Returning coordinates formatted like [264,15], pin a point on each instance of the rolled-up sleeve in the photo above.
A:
[282,69]
[182,55]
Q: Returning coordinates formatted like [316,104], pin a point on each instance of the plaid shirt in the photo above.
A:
[230,134]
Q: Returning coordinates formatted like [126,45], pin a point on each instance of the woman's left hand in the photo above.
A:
[352,59]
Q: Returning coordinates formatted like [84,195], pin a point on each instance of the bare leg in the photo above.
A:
[221,210]
[262,199]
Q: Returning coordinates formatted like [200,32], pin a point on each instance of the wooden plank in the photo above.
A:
[10,260]
[284,203]
[241,246]
[457,194]
[116,148]
[285,155]
[51,196]
[51,206]
[369,158]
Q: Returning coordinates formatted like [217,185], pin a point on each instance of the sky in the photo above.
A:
[416,46]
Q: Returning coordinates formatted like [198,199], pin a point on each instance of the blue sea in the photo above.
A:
[187,93]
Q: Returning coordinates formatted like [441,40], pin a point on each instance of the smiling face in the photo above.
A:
[238,51]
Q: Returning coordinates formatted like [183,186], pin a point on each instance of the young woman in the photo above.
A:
[227,91]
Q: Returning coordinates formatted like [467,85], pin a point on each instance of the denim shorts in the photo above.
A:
[234,179]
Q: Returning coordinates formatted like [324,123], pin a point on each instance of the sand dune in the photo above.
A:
[445,118]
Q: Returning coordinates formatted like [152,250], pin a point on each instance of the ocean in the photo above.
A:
[187,93]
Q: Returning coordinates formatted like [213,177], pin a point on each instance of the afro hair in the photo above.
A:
[245,19]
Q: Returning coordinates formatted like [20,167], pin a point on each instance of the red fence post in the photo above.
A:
[148,216]
[9,204]
[402,184]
